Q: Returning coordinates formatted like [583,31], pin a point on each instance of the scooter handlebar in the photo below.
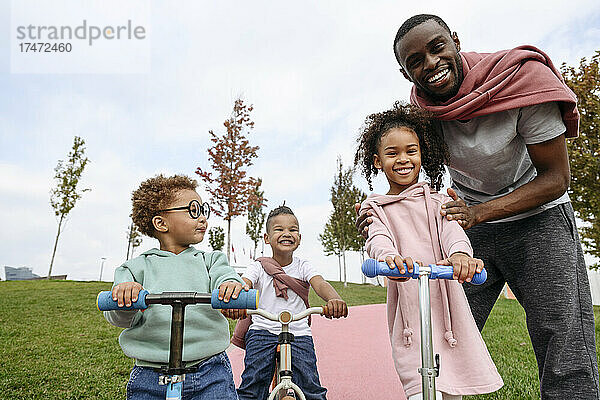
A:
[372,268]
[246,299]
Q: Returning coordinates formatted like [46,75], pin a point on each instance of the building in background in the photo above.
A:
[24,273]
[19,274]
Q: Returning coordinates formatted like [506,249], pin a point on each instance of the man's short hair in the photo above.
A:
[281,210]
[414,21]
[155,194]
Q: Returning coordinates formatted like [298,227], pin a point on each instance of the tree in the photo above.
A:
[584,152]
[216,238]
[64,196]
[256,216]
[230,156]
[134,239]
[340,231]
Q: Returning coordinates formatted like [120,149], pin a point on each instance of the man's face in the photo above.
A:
[429,58]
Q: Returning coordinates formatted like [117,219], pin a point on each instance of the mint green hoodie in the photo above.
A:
[147,334]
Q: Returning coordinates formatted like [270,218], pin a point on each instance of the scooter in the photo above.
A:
[430,365]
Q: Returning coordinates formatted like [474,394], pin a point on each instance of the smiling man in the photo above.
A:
[505,117]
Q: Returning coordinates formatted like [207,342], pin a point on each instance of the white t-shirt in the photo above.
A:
[268,301]
[488,154]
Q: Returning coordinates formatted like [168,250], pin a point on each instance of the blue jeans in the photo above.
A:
[212,380]
[261,347]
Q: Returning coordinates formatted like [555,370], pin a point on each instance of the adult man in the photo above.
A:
[504,117]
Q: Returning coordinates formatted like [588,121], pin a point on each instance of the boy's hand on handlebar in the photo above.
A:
[336,308]
[464,266]
[231,290]
[234,313]
[125,293]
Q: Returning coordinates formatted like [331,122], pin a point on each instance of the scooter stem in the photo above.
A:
[429,371]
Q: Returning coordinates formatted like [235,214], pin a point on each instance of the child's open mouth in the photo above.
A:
[404,171]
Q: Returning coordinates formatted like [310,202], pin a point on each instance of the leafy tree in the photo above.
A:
[584,152]
[230,156]
[256,216]
[216,238]
[134,239]
[64,196]
[340,232]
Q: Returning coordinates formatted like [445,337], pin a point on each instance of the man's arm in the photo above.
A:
[551,162]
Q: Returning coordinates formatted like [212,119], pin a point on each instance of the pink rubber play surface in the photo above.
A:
[353,356]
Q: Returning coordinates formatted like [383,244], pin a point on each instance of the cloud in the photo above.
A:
[313,71]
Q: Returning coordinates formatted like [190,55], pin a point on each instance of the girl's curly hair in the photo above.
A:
[434,152]
[155,194]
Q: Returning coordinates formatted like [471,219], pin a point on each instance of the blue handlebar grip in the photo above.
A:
[479,277]
[105,302]
[247,300]
[372,268]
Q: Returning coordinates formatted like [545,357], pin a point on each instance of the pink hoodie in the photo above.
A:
[410,224]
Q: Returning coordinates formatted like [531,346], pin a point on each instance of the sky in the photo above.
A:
[313,70]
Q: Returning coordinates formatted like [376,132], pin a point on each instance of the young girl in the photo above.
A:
[407,225]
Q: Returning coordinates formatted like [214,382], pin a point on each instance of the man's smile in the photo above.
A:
[439,76]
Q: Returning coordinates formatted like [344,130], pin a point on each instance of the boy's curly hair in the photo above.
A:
[155,194]
[434,152]
[281,210]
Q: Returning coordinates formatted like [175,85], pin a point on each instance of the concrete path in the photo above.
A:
[354,356]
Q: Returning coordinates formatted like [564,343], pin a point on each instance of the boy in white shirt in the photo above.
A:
[278,291]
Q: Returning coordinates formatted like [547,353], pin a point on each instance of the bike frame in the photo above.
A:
[284,371]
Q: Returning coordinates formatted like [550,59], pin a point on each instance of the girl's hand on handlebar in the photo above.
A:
[231,290]
[398,262]
[234,313]
[125,293]
[464,266]
[336,308]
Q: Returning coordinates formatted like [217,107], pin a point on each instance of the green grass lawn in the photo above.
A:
[55,344]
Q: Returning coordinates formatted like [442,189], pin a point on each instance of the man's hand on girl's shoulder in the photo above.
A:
[363,221]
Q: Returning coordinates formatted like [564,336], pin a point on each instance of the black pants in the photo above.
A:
[541,259]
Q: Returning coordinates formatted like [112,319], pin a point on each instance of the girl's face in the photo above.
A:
[399,157]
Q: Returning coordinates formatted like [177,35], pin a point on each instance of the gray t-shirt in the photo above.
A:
[488,154]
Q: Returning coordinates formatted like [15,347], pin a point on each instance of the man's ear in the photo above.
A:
[456,41]
[377,162]
[160,224]
[406,76]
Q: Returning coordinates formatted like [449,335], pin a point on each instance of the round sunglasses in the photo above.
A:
[195,209]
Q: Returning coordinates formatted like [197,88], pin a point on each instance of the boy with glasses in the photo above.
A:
[170,210]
